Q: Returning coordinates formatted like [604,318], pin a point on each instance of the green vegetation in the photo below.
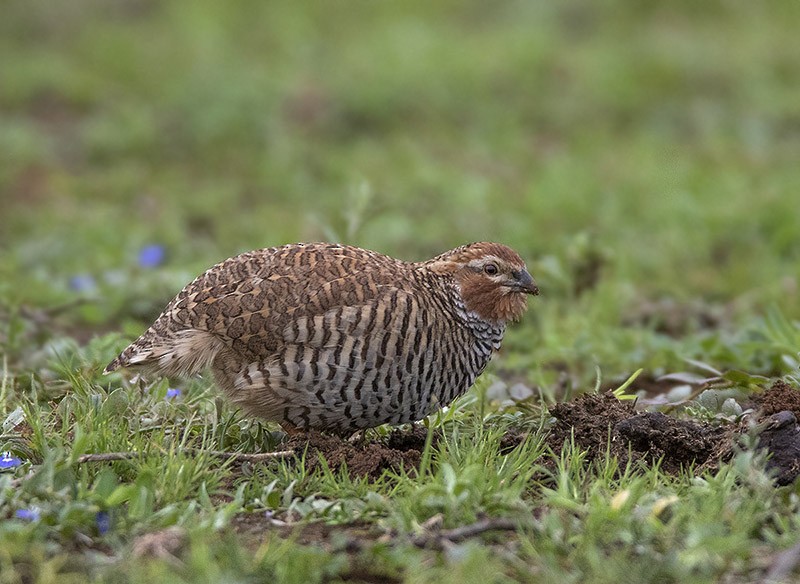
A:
[643,158]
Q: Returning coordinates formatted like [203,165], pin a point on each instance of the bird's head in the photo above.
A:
[492,277]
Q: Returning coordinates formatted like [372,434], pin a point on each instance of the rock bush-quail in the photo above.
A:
[333,337]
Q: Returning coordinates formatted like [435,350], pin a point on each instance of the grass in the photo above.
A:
[642,158]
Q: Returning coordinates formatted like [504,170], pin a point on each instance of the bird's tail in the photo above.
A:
[122,360]
[183,352]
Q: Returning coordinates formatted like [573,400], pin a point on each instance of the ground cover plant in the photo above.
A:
[642,158]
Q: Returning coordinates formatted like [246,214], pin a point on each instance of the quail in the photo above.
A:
[337,338]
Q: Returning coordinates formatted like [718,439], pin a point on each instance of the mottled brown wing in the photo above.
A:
[250,301]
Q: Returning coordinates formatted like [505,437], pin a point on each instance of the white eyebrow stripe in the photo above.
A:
[485,260]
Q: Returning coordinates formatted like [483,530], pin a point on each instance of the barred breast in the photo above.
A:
[352,367]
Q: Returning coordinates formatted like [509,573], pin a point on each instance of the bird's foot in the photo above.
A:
[291,429]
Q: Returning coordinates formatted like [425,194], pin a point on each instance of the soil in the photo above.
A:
[401,450]
[781,438]
[780,397]
[779,409]
[331,537]
[601,425]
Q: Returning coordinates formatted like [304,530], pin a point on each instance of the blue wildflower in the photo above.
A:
[82,283]
[31,514]
[7,460]
[103,522]
[152,256]
[172,392]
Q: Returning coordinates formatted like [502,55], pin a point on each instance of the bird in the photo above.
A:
[331,337]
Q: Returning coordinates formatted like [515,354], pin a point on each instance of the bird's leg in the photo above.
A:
[291,429]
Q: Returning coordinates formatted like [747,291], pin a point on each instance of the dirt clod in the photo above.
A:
[678,443]
[602,424]
[780,397]
[589,418]
[402,450]
[781,437]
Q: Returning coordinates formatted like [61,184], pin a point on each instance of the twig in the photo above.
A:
[245,456]
[464,532]
[237,456]
[106,457]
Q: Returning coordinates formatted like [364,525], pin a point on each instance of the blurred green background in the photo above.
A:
[643,157]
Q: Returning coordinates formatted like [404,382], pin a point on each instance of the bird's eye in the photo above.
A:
[490,269]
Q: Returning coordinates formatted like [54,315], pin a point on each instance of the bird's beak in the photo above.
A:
[526,284]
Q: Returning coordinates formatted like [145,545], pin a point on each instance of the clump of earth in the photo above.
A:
[603,425]
[401,450]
